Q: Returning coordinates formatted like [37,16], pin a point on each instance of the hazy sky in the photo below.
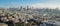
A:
[34,3]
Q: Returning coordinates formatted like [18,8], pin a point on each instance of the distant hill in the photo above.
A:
[52,12]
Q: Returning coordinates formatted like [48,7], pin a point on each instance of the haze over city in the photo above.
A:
[30,3]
